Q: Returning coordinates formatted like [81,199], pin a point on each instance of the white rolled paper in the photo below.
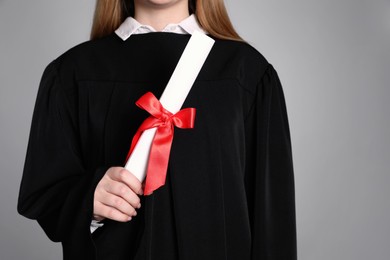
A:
[173,97]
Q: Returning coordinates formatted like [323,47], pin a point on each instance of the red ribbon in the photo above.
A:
[162,141]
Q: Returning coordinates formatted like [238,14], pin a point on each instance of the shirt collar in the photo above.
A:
[131,26]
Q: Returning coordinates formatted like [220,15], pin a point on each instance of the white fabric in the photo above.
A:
[95,225]
[131,26]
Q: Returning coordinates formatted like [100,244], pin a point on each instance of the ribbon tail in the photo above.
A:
[158,159]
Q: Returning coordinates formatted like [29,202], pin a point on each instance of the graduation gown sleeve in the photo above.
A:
[57,188]
[269,173]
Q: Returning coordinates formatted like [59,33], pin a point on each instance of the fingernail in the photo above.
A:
[139,205]
[135,213]
[129,218]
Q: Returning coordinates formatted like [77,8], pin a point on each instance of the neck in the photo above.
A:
[160,15]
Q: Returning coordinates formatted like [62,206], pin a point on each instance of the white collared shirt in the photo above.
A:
[131,26]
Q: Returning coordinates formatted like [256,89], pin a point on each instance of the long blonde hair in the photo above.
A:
[211,15]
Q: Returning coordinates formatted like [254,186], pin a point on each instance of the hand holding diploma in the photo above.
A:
[117,196]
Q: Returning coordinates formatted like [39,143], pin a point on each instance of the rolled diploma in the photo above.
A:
[173,97]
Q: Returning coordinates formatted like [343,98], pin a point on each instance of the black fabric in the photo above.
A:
[229,192]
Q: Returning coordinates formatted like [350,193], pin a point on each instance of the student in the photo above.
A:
[229,190]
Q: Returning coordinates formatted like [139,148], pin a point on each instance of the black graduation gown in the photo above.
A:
[229,192]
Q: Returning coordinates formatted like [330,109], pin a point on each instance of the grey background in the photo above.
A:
[333,58]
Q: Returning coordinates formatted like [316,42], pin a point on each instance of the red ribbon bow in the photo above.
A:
[162,141]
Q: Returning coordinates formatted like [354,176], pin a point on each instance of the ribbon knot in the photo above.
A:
[164,121]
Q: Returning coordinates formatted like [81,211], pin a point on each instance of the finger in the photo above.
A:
[116,202]
[123,175]
[109,212]
[123,191]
